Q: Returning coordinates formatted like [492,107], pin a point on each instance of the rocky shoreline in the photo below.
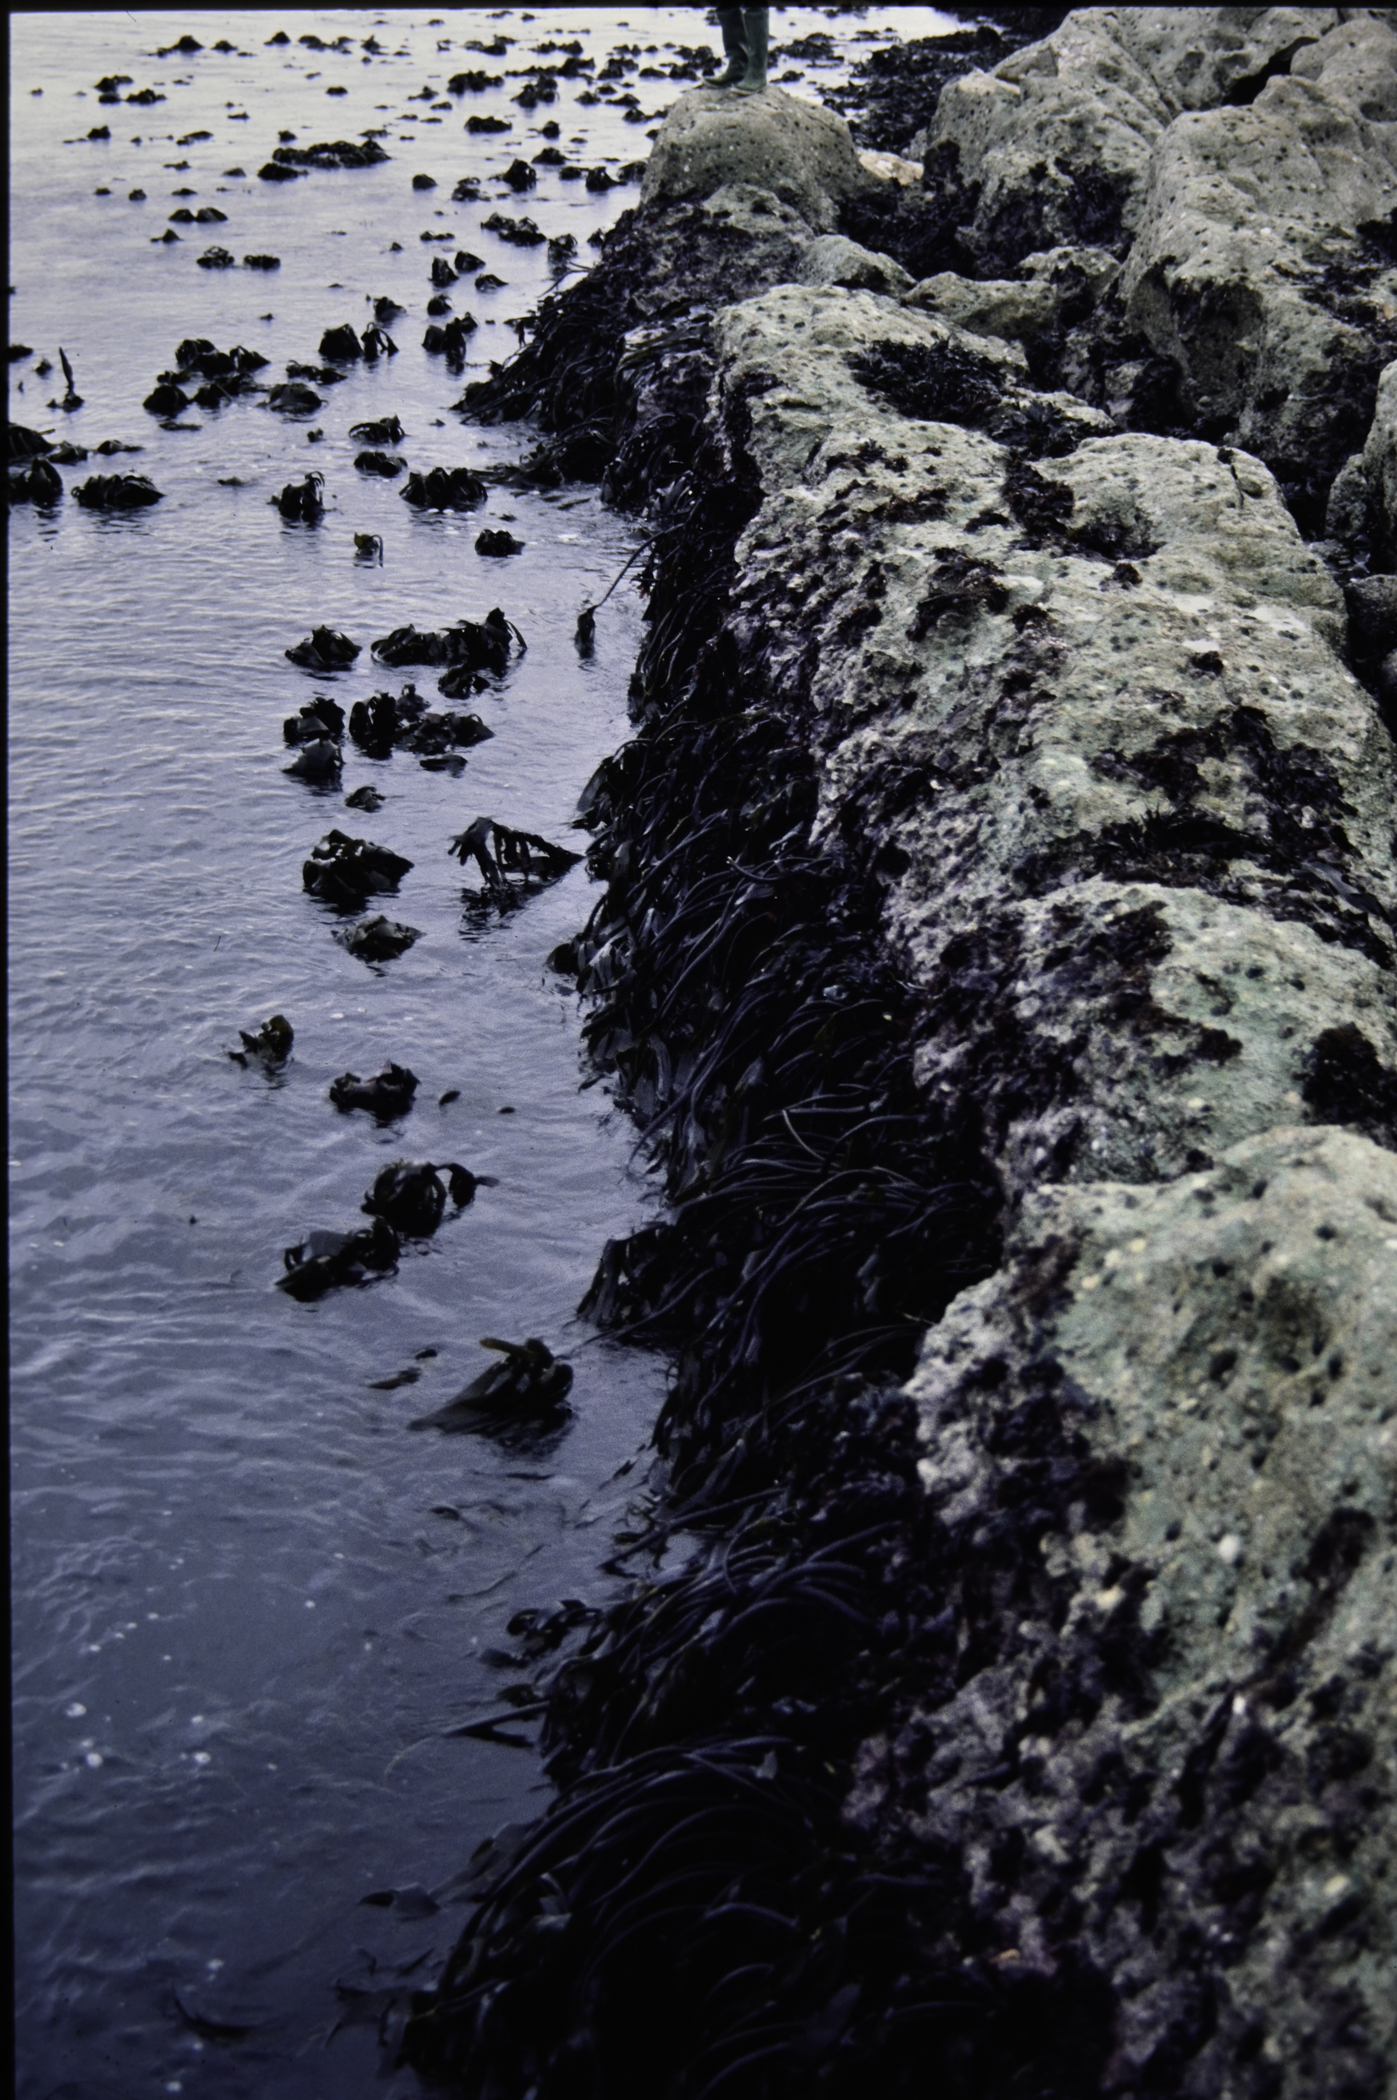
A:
[997,952]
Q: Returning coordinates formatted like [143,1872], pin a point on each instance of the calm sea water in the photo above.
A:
[249,1608]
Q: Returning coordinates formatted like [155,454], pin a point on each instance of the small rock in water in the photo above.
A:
[340,343]
[319,762]
[166,400]
[35,481]
[498,543]
[366,797]
[443,488]
[368,547]
[320,717]
[301,502]
[386,431]
[293,398]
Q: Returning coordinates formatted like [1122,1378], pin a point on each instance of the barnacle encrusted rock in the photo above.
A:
[797,150]
[1178,1730]
[1245,209]
[1082,710]
[1055,142]
[1086,718]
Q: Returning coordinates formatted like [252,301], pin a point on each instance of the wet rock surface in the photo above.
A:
[1007,997]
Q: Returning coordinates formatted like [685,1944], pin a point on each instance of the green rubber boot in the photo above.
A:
[754,25]
[734,46]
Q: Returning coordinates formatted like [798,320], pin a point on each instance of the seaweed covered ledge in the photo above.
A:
[997,953]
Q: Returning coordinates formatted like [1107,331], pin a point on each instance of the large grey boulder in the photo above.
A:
[1354,63]
[834,260]
[799,151]
[1080,709]
[1054,144]
[1380,470]
[1090,718]
[1059,286]
[1245,209]
[1178,1718]
[1362,513]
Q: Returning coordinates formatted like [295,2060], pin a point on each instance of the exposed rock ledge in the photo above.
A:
[1083,720]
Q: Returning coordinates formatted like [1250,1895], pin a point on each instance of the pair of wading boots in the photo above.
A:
[745,41]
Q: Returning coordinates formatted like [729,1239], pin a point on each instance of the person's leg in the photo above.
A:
[730,21]
[754,27]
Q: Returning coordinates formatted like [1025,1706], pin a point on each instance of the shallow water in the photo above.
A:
[248,1607]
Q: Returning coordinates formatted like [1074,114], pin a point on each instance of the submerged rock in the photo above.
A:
[346,871]
[327,1261]
[529,1386]
[470,644]
[411,1194]
[377,939]
[301,502]
[324,650]
[444,488]
[270,1045]
[117,492]
[318,761]
[386,1096]
[294,398]
[25,444]
[35,481]
[387,430]
[321,717]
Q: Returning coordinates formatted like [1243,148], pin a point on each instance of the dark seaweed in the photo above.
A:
[893,93]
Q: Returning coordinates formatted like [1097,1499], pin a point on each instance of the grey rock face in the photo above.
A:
[1231,159]
[834,260]
[1184,1720]
[1380,469]
[1060,285]
[1081,708]
[800,152]
[1085,724]
[1087,717]
[1058,138]
[1245,207]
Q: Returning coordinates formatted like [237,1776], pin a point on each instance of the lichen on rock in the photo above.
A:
[1177,1726]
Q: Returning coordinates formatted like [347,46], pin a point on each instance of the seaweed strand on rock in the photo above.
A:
[997,956]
